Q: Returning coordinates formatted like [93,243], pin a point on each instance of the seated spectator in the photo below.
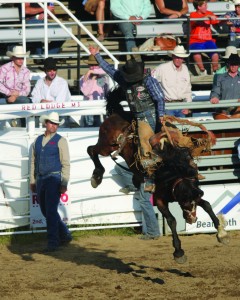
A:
[174,79]
[94,85]
[229,50]
[51,88]
[15,78]
[168,9]
[234,25]
[201,35]
[133,10]
[35,15]
[227,86]
[97,7]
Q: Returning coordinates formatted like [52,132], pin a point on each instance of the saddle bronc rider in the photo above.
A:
[146,100]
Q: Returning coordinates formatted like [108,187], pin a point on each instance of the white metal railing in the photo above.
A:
[43,4]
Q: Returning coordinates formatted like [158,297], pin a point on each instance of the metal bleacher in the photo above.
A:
[34,34]
[10,14]
[155,28]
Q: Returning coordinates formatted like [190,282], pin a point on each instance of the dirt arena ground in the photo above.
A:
[115,268]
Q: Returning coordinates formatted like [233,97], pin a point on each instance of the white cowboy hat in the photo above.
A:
[53,117]
[17,52]
[236,2]
[179,51]
[230,50]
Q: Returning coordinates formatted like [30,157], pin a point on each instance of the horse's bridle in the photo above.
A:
[177,181]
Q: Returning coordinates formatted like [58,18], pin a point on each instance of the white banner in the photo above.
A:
[38,220]
[63,108]
[224,199]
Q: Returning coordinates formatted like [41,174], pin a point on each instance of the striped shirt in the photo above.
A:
[152,84]
[10,80]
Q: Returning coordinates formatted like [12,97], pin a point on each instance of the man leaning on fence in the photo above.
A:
[175,81]
[15,78]
[227,86]
[51,88]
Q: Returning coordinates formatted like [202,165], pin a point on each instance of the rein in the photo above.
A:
[179,180]
[121,166]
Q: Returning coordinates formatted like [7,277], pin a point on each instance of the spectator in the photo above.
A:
[15,78]
[146,101]
[174,79]
[229,50]
[167,9]
[51,88]
[133,10]
[228,84]
[50,180]
[171,10]
[201,35]
[234,25]
[97,7]
[35,15]
[94,85]
[152,227]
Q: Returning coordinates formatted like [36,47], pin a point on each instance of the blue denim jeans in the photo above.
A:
[48,193]
[127,30]
[149,116]
[175,112]
[19,100]
[3,101]
[144,201]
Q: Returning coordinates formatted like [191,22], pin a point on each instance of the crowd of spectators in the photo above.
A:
[173,76]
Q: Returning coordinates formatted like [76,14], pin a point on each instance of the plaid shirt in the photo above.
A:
[10,80]
[236,22]
[152,84]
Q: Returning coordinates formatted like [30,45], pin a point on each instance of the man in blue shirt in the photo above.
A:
[227,85]
[146,100]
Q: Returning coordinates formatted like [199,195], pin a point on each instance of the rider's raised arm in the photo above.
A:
[110,70]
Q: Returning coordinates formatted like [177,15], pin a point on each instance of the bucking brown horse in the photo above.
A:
[176,176]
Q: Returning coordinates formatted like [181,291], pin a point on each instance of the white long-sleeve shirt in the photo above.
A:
[58,91]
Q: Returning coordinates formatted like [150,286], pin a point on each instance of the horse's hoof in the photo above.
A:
[94,182]
[180,260]
[223,240]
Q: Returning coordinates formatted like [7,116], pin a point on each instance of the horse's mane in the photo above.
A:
[175,160]
[177,164]
[113,98]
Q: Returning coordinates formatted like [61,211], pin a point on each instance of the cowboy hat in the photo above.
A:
[236,2]
[230,50]
[49,64]
[53,117]
[91,60]
[132,71]
[18,52]
[233,59]
[178,51]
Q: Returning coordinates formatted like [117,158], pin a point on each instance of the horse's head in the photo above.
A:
[187,193]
